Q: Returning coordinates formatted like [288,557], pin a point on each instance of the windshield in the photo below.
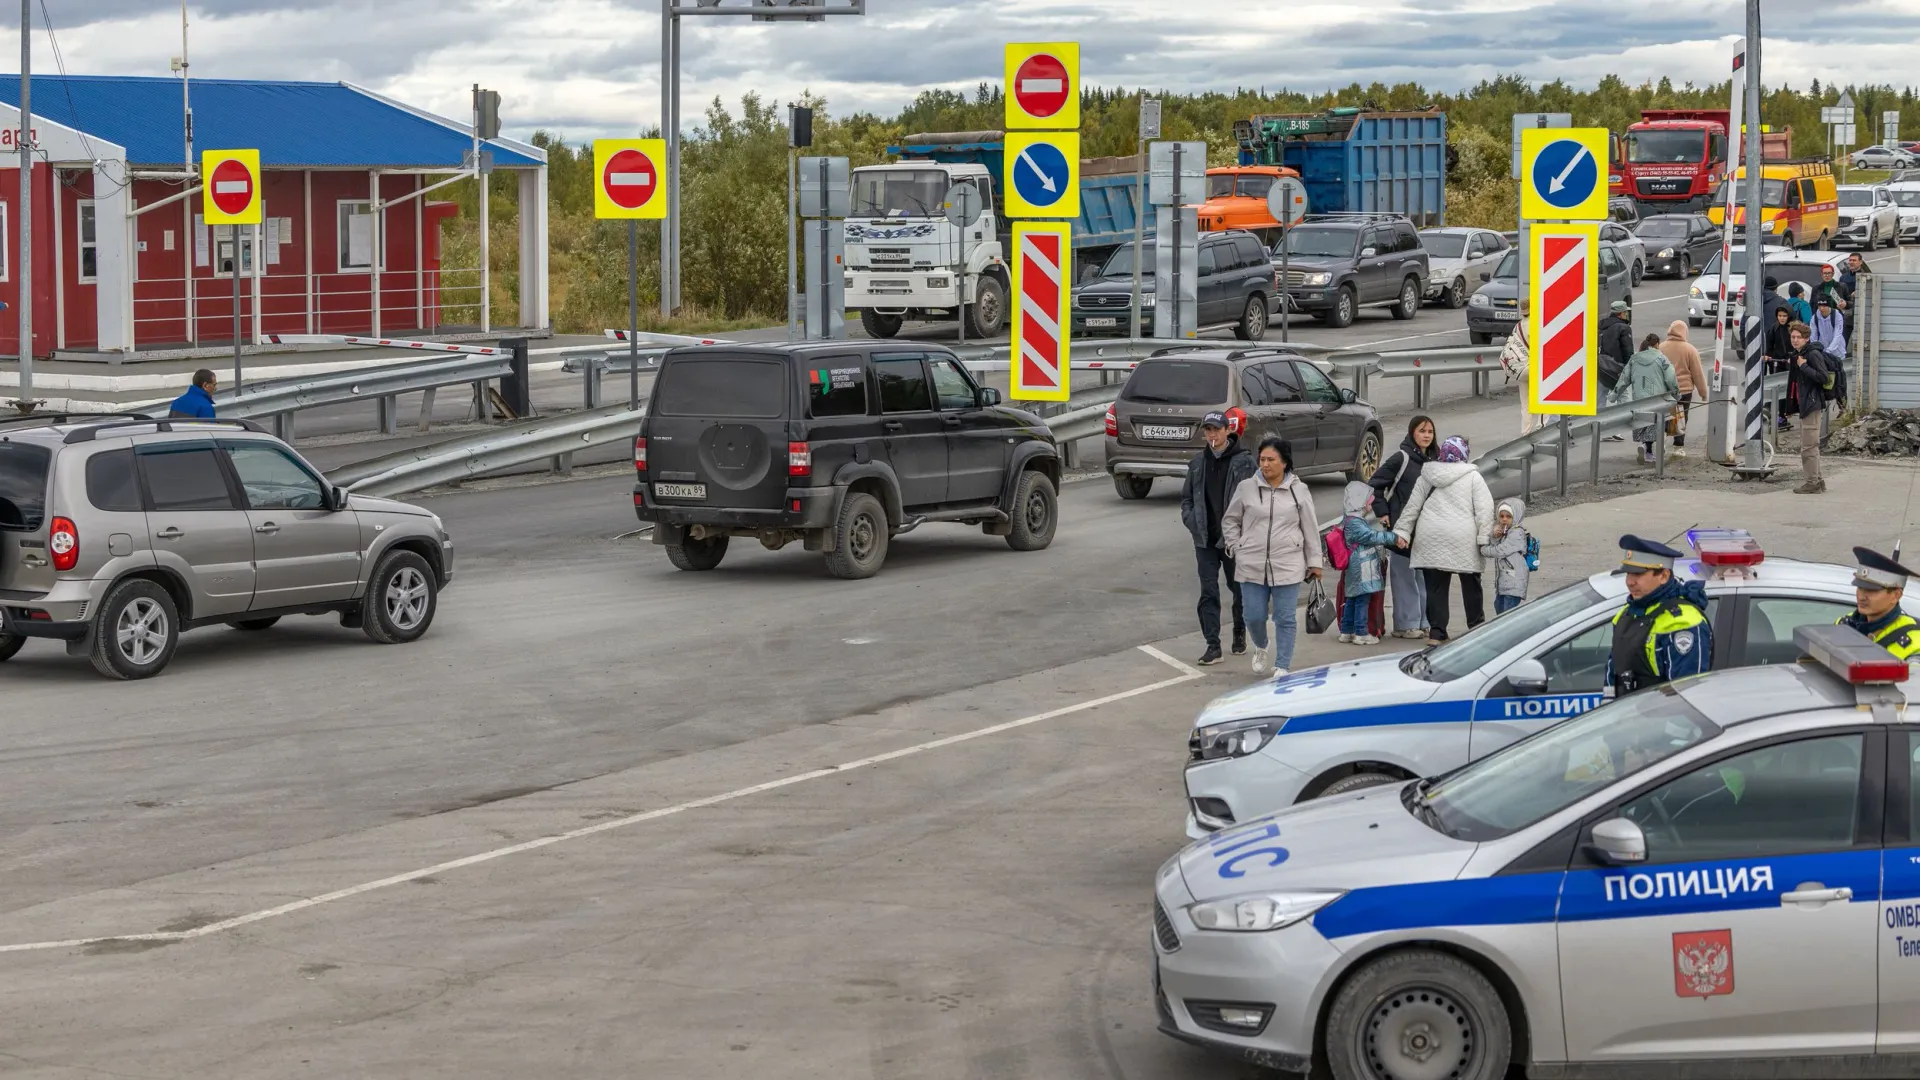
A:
[1739,264]
[1485,643]
[1521,784]
[1856,197]
[1120,263]
[1509,265]
[1657,147]
[1772,192]
[1323,242]
[1661,227]
[1219,185]
[898,192]
[1442,245]
[1177,382]
[1907,198]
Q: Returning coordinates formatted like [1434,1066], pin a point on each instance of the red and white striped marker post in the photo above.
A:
[1042,315]
[1563,321]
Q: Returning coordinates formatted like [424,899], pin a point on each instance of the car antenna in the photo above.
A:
[1682,533]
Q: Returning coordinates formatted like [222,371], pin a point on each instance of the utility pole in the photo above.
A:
[25,277]
[1752,400]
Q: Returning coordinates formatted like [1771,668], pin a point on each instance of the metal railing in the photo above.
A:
[555,438]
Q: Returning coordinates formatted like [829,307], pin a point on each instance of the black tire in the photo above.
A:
[880,326]
[1639,272]
[1409,304]
[1691,321]
[1479,338]
[691,554]
[1382,1012]
[1686,267]
[402,596]
[1253,321]
[1132,487]
[987,315]
[1787,242]
[1345,306]
[10,644]
[1355,783]
[1036,512]
[254,624]
[1457,294]
[1368,459]
[860,538]
[135,631]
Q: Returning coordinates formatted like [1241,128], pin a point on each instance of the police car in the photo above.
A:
[1715,877]
[1329,730]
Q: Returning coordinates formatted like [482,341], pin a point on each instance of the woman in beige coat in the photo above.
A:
[1687,371]
[1270,530]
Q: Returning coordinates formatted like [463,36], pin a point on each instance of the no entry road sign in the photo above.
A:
[1042,320]
[1563,321]
[629,174]
[1043,85]
[1043,175]
[230,187]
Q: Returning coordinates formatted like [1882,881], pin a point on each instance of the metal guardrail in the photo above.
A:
[282,398]
[472,456]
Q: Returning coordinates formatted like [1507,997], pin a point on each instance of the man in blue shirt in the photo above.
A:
[197,402]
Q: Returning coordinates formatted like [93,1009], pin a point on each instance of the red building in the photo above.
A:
[125,266]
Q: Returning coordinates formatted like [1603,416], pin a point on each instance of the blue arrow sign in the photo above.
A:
[1565,174]
[1041,174]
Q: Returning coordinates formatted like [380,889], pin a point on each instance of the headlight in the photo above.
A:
[1261,911]
[1146,300]
[1238,738]
[1696,293]
[1666,253]
[1316,279]
[1772,225]
[1479,300]
[1439,274]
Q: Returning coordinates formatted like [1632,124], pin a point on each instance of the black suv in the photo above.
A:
[1340,264]
[1235,287]
[842,444]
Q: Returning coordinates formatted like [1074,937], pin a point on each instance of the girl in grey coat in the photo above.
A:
[1507,547]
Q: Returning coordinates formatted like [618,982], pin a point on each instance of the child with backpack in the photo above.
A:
[1358,547]
[1515,555]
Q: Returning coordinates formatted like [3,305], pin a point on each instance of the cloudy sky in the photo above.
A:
[591,67]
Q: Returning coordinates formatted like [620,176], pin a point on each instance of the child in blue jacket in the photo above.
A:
[1366,572]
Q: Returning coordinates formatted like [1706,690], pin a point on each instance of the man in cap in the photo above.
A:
[1211,477]
[1663,632]
[1877,588]
[1616,344]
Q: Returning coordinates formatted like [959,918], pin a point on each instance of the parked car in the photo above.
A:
[119,533]
[1235,288]
[1632,250]
[1678,244]
[1868,216]
[1906,196]
[1784,265]
[1154,428]
[1455,259]
[1493,310]
[1338,264]
[876,439]
[1884,157]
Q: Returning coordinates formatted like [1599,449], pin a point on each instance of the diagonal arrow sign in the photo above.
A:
[1560,181]
[1045,180]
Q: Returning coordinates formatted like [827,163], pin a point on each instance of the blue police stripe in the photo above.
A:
[1433,712]
[1523,898]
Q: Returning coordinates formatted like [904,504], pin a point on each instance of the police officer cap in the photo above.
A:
[1639,555]
[1879,572]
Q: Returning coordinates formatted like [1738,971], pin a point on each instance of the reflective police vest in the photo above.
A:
[1900,636]
[1649,648]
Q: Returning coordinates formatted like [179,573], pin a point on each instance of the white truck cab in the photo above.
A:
[905,260]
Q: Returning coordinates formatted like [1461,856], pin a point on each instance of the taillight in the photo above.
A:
[64,542]
[640,455]
[1113,423]
[799,459]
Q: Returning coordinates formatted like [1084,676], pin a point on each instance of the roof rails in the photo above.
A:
[92,431]
[66,418]
[1233,352]
[1356,216]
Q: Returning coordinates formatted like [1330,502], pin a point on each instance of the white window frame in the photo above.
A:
[6,235]
[341,236]
[248,265]
[86,208]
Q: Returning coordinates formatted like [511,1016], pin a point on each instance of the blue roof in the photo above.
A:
[291,123]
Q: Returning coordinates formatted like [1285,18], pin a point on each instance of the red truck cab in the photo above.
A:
[1675,159]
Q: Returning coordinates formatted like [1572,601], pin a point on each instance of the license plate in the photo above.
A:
[1507,316]
[679,491]
[1161,431]
[1103,322]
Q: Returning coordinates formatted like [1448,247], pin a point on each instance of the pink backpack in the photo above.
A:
[1338,554]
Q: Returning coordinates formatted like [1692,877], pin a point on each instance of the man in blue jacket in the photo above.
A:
[197,402]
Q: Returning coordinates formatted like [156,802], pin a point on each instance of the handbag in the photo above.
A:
[1321,613]
[1675,419]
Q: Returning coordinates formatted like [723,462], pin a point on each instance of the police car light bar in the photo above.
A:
[1849,654]
[1731,553]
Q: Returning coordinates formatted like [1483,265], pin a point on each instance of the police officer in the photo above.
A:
[1877,588]
[1662,633]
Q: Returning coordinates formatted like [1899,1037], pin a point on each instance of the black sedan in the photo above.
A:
[1678,244]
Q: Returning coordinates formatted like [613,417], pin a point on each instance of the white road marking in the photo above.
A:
[1187,674]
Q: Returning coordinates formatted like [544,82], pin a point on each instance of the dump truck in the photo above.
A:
[1237,199]
[1675,159]
[1357,161]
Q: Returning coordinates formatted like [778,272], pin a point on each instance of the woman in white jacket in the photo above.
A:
[1447,518]
[1270,530]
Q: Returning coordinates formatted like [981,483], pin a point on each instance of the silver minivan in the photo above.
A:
[119,533]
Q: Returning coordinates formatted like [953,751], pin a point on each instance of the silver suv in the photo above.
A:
[117,533]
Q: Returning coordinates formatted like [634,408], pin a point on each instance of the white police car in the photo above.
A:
[1689,881]
[1330,730]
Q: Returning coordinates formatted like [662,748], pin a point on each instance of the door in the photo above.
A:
[1293,415]
[1576,673]
[1613,276]
[1258,402]
[1372,271]
[303,553]
[978,451]
[1216,281]
[1899,923]
[1253,276]
[1336,428]
[198,528]
[717,429]
[1751,928]
[915,434]
[1763,629]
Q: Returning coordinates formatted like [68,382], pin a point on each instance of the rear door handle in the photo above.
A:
[171,532]
[893,425]
[268,527]
[953,421]
[1813,892]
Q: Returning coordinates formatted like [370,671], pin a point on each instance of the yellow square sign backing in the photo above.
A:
[1043,86]
[630,179]
[1563,174]
[1042,174]
[230,187]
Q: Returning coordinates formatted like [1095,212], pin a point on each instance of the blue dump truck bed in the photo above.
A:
[1355,161]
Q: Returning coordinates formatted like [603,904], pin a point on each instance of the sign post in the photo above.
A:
[1527,122]
[1287,202]
[1042,180]
[627,182]
[962,207]
[230,196]
[1149,131]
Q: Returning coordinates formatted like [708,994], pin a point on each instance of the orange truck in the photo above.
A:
[1237,199]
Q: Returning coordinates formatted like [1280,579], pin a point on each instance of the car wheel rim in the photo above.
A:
[1409,297]
[1420,1033]
[860,538]
[1036,512]
[1256,316]
[141,631]
[989,305]
[1459,297]
[1369,456]
[1346,307]
[406,598]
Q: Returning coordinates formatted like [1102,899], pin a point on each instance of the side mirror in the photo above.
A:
[1347,396]
[1619,842]
[1528,678]
[989,396]
[1486,275]
[1368,253]
[336,497]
